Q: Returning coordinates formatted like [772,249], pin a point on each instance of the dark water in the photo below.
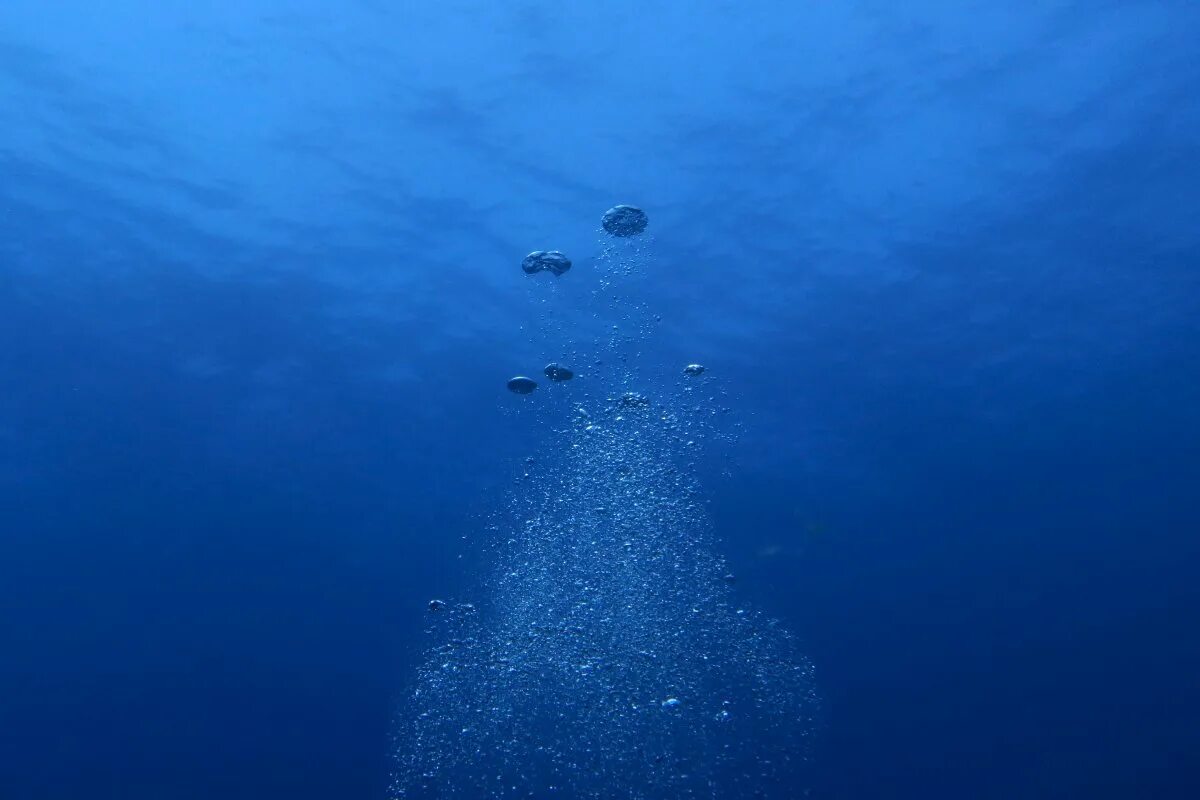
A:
[260,292]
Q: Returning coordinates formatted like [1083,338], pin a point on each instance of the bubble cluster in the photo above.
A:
[611,659]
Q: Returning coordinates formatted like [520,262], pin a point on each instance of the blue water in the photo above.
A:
[260,293]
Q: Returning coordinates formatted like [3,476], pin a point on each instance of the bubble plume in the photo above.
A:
[605,655]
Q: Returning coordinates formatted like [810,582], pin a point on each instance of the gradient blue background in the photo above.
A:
[259,292]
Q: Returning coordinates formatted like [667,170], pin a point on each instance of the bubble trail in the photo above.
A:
[607,657]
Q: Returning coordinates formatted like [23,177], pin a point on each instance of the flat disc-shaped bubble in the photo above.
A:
[557,372]
[624,220]
[522,385]
[549,260]
[694,369]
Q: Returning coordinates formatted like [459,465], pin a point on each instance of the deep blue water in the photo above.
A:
[260,291]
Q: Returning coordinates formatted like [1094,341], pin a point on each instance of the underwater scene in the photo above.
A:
[624,401]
